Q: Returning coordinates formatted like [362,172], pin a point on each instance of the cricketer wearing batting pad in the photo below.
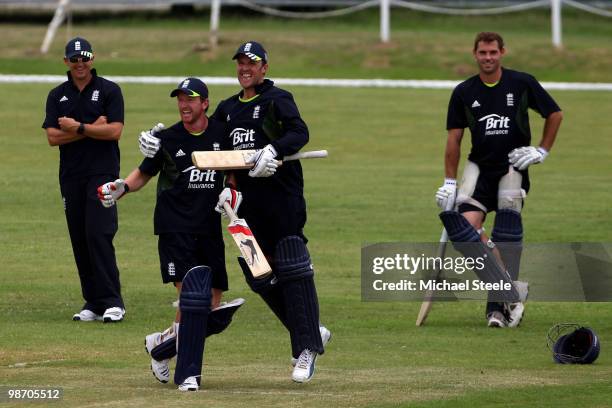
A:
[494,105]
[266,118]
[189,231]
[84,117]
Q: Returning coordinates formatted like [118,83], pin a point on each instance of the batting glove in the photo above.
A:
[264,163]
[233,197]
[148,143]
[445,196]
[109,193]
[523,157]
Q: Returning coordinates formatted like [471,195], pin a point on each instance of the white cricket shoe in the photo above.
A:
[86,315]
[325,338]
[113,314]
[496,319]
[305,366]
[160,369]
[515,312]
[190,384]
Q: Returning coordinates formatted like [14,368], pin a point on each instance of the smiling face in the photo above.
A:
[79,70]
[250,73]
[191,109]
[488,56]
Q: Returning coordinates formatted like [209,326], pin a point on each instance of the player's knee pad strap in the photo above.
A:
[195,291]
[508,226]
[292,260]
[458,228]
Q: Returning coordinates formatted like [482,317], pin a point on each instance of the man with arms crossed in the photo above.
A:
[494,105]
[189,233]
[84,117]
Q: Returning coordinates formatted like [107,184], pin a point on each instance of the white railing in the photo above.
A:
[63,11]
[385,12]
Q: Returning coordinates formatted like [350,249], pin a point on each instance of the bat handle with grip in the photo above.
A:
[229,211]
[314,154]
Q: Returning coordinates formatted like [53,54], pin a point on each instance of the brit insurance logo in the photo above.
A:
[243,138]
[171,269]
[200,178]
[495,124]
[95,95]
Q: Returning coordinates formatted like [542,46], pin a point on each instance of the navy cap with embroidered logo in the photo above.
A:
[78,47]
[253,50]
[191,87]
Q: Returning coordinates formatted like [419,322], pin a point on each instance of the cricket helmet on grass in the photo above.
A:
[572,343]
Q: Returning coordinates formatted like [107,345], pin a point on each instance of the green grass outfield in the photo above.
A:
[385,163]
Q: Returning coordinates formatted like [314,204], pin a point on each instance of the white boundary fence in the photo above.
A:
[311,82]
[385,12]
[63,11]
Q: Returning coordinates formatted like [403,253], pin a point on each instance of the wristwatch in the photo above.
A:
[81,129]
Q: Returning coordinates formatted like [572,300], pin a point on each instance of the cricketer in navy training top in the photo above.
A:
[494,105]
[84,117]
[190,243]
[264,117]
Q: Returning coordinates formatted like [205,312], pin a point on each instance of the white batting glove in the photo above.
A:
[148,143]
[445,196]
[109,193]
[523,157]
[264,163]
[233,197]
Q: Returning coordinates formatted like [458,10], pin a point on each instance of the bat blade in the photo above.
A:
[236,159]
[248,246]
[222,160]
[429,295]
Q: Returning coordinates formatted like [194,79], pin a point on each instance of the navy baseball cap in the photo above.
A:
[191,87]
[78,47]
[253,50]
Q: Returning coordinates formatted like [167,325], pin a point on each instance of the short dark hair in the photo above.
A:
[488,37]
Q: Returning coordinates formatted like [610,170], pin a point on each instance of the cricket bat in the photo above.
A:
[428,300]
[236,159]
[248,246]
